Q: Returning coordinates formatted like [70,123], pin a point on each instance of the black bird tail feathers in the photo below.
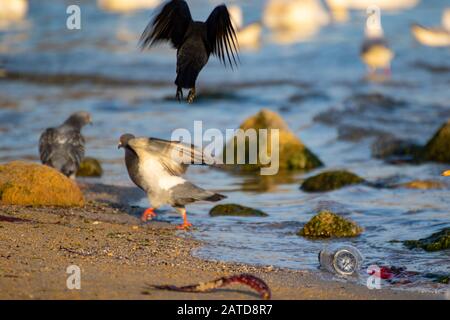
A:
[216,197]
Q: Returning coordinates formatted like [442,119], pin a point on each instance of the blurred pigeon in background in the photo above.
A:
[63,147]
[156,166]
[195,41]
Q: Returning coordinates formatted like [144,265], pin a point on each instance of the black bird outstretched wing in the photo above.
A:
[170,24]
[221,36]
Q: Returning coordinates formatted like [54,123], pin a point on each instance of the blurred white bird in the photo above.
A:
[124,6]
[375,52]
[434,36]
[294,20]
[12,11]
[294,14]
[248,36]
[338,9]
[385,5]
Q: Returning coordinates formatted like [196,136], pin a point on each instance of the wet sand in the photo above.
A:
[119,257]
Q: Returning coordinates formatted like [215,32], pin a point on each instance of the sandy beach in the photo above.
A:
[119,257]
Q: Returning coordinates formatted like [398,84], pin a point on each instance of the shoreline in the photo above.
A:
[119,257]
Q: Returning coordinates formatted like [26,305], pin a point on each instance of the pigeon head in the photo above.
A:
[124,139]
[79,119]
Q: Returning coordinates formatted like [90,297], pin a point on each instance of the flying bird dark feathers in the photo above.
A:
[195,41]
[156,166]
[63,147]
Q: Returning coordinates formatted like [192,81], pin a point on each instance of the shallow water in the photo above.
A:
[313,84]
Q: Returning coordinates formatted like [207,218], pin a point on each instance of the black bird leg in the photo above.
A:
[191,95]
[179,94]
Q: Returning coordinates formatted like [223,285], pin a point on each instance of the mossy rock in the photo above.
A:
[327,224]
[422,185]
[31,184]
[437,241]
[330,180]
[90,167]
[293,154]
[438,148]
[235,210]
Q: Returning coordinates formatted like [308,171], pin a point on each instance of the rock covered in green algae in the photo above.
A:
[90,167]
[327,224]
[330,180]
[293,154]
[437,241]
[235,210]
[31,184]
[438,148]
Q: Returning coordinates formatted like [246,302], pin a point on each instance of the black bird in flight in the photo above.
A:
[63,147]
[195,41]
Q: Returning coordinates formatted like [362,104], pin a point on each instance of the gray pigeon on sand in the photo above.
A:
[152,166]
[63,147]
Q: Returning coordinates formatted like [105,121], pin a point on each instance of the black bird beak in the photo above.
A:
[119,145]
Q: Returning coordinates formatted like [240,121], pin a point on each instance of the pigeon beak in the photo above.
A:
[446,173]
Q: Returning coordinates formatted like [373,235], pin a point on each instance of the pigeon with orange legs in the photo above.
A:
[156,166]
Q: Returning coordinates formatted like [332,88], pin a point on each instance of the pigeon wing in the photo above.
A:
[170,24]
[61,145]
[75,147]
[46,141]
[221,36]
[175,156]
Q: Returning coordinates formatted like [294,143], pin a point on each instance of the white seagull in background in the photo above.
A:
[434,36]
[375,52]
[249,36]
[338,10]
[294,20]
